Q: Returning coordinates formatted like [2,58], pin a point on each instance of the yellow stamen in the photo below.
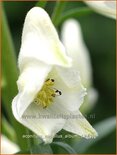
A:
[46,94]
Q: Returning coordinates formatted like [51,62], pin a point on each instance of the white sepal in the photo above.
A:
[40,40]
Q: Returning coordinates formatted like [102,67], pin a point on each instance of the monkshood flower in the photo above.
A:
[49,84]
[7,146]
[78,51]
[107,8]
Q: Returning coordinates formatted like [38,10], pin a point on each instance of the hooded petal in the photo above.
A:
[80,126]
[40,40]
[77,49]
[107,8]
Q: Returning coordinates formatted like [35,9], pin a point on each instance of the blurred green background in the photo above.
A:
[99,33]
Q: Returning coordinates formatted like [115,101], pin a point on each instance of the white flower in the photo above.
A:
[7,146]
[49,85]
[107,8]
[78,51]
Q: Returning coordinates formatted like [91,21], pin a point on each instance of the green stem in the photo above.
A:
[10,73]
[41,4]
[74,13]
[57,11]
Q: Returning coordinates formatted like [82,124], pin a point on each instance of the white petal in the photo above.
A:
[7,146]
[29,83]
[44,122]
[68,82]
[107,8]
[77,49]
[80,126]
[40,40]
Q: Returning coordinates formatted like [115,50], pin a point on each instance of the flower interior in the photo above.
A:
[46,95]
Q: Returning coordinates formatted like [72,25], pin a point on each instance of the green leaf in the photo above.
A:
[41,149]
[10,74]
[41,4]
[3,82]
[65,146]
[38,149]
[9,68]
[77,12]
[8,130]
[103,128]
